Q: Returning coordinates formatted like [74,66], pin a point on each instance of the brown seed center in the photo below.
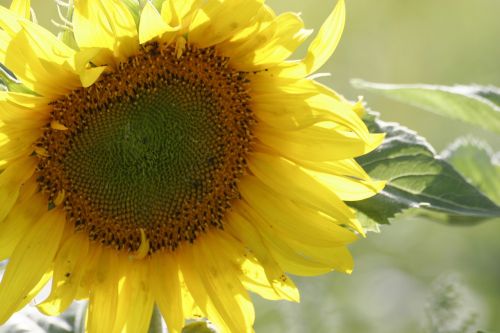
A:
[157,145]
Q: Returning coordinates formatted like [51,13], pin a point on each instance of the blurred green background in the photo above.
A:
[415,276]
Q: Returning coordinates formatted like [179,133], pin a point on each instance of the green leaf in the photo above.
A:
[490,93]
[9,82]
[368,224]
[474,104]
[474,159]
[416,178]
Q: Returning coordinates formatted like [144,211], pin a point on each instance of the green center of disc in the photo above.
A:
[155,147]
[141,159]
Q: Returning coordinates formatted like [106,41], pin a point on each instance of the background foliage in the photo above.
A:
[416,275]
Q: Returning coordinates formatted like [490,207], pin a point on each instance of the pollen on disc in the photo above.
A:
[156,145]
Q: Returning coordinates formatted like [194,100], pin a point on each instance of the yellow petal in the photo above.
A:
[38,69]
[29,102]
[322,47]
[251,272]
[253,34]
[348,188]
[289,104]
[55,124]
[143,249]
[47,46]
[317,143]
[257,33]
[4,43]
[19,220]
[105,24]
[30,261]
[177,13]
[166,287]
[23,117]
[359,108]
[197,290]
[217,21]
[283,286]
[299,257]
[36,289]
[347,167]
[28,189]
[293,221]
[190,309]
[254,279]
[347,178]
[151,24]
[20,116]
[36,56]
[9,21]
[21,8]
[18,143]
[88,55]
[213,282]
[103,296]
[289,259]
[337,258]
[89,76]
[135,299]
[271,45]
[287,39]
[289,180]
[89,271]
[67,274]
[85,61]
[11,180]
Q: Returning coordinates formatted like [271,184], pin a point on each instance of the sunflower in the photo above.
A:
[173,155]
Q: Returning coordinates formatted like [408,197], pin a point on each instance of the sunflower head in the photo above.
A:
[173,155]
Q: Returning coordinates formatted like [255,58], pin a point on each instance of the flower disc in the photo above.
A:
[157,146]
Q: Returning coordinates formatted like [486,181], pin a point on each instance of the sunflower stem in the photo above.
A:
[155,325]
